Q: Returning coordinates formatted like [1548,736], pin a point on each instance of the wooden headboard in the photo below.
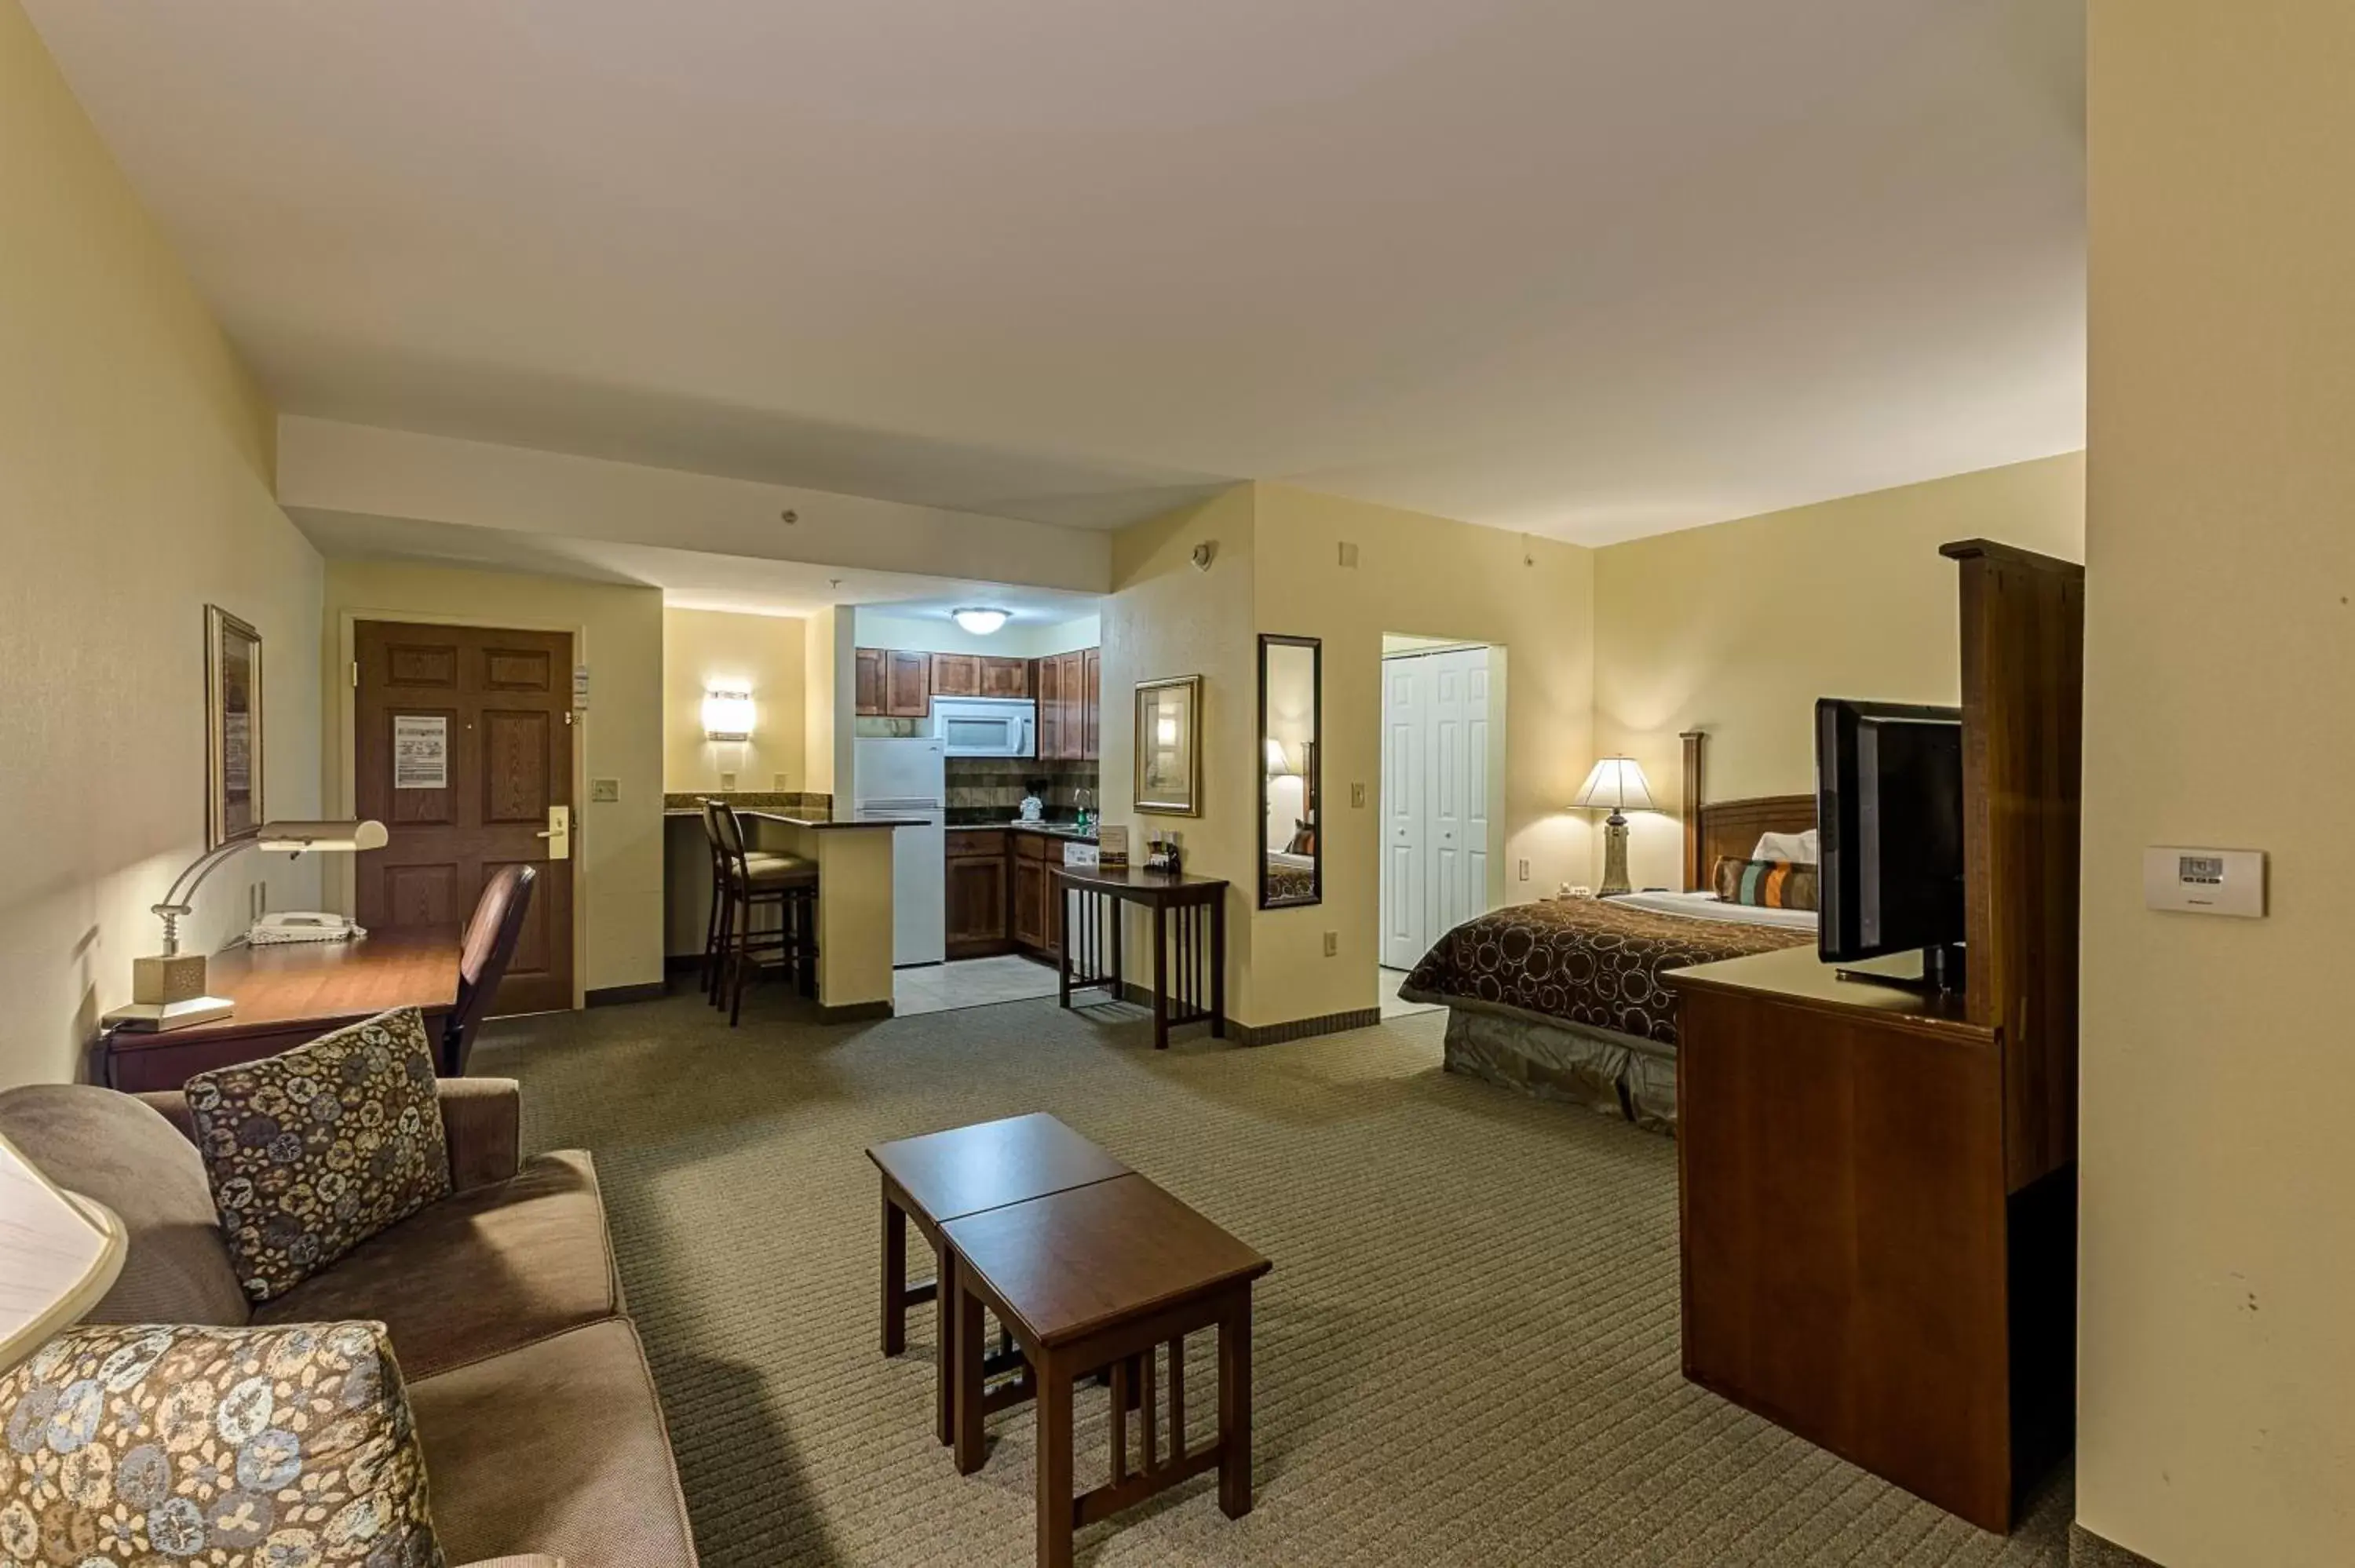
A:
[1730,827]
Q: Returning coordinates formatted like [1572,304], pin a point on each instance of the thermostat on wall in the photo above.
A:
[2205,881]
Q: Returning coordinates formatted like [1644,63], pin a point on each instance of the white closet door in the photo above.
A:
[1477,737]
[1447,773]
[1404,919]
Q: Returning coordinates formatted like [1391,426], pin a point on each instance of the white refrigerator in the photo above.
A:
[908,779]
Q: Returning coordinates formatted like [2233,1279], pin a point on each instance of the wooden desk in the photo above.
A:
[288,994]
[1856,1267]
[1097,959]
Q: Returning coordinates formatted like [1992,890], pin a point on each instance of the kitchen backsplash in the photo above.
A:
[990,789]
[815,803]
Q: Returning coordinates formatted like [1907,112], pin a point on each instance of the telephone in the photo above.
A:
[302,925]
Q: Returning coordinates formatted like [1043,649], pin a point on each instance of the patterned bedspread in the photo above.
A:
[1587,960]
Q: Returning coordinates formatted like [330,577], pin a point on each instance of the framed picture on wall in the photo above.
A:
[1169,747]
[233,727]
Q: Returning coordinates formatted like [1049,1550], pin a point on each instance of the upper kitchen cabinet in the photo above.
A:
[907,685]
[1069,705]
[979,675]
[888,683]
[867,682]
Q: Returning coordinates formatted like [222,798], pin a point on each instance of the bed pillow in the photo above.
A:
[1766,883]
[1805,849]
[312,1153]
[140,1443]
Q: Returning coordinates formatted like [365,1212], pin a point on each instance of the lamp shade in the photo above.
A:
[346,837]
[727,714]
[1278,764]
[981,622]
[58,1254]
[1618,784]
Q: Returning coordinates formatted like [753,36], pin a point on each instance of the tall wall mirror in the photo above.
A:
[1291,731]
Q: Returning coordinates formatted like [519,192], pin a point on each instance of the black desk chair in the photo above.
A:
[491,935]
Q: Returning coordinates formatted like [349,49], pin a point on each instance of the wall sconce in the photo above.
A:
[727,714]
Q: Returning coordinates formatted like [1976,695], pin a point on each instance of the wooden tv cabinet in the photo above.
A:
[1856,1267]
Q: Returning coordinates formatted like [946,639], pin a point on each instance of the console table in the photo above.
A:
[1191,908]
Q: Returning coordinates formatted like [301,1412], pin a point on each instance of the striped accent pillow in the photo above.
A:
[1766,883]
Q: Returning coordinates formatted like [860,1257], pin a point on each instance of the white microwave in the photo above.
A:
[986,726]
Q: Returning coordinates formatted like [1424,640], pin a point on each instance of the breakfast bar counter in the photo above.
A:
[854,897]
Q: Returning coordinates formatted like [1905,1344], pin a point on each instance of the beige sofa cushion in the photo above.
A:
[316,1150]
[113,1148]
[558,1448]
[480,1272]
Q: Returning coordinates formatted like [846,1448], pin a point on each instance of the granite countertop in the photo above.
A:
[788,820]
[1044,829]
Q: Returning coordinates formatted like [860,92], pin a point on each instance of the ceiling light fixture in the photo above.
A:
[980,622]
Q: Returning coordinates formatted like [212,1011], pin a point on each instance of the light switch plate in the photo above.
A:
[606,790]
[1357,795]
[2205,881]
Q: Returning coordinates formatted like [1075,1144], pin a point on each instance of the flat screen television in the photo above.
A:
[1889,802]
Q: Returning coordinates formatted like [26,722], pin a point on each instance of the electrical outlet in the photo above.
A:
[606,790]
[1525,871]
[1332,944]
[727,783]
[777,782]
[1357,796]
[1348,554]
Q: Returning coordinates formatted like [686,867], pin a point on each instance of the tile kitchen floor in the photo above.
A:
[969,982]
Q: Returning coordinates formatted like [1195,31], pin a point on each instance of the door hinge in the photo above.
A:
[356,674]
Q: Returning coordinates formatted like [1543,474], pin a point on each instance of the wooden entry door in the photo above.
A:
[464,754]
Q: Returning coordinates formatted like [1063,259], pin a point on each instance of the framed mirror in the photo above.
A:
[1291,744]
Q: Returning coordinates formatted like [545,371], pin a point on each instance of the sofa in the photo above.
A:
[543,1437]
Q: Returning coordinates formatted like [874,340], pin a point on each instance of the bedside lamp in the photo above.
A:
[167,990]
[1619,784]
[59,1254]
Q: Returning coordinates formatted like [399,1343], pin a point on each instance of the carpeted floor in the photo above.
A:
[1466,1354]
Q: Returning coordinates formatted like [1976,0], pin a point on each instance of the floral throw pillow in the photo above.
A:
[312,1153]
[130,1444]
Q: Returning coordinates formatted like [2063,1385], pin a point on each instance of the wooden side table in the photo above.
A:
[1192,908]
[942,1176]
[1104,1276]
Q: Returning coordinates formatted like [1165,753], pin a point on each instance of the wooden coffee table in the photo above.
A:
[1098,1276]
[943,1176]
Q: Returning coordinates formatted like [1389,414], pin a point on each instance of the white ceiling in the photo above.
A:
[690,579]
[1582,267]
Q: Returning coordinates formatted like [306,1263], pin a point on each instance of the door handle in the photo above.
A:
[560,832]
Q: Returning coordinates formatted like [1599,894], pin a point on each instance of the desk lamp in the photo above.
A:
[167,989]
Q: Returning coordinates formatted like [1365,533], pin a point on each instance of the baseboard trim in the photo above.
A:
[1305,1028]
[615,995]
[853,1012]
[2087,1550]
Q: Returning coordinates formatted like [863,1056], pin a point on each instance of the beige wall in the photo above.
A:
[1425,576]
[2217,1374]
[135,458]
[764,654]
[1277,570]
[1022,639]
[1738,628]
[618,633]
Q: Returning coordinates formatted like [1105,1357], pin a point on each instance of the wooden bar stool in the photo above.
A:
[749,881]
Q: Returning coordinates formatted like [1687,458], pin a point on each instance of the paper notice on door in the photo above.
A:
[421,751]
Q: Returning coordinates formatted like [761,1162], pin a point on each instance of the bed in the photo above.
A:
[1562,999]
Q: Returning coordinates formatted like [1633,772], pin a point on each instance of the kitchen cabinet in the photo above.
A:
[907,685]
[979,897]
[1070,703]
[1033,891]
[956,675]
[1004,677]
[867,682]
[1090,700]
